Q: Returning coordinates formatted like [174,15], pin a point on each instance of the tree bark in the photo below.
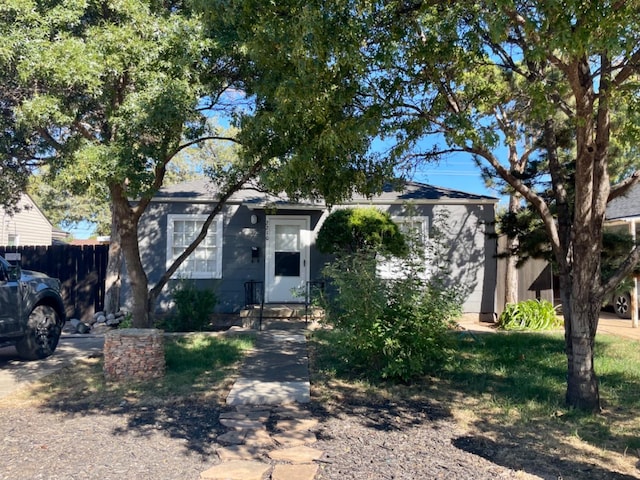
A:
[511,270]
[582,383]
[137,278]
[113,280]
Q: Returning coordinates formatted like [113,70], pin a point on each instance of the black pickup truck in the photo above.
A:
[31,311]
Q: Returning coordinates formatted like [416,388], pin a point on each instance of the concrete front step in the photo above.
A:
[283,310]
[280,317]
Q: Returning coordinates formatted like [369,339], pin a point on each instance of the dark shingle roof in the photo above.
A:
[203,190]
[627,206]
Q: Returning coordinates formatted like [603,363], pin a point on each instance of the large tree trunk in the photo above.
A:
[582,382]
[137,278]
[113,280]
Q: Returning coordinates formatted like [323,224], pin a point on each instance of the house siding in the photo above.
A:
[470,252]
[464,224]
[28,223]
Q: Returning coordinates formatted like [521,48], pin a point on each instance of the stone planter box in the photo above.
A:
[134,354]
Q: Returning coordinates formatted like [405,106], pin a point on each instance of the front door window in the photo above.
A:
[287,251]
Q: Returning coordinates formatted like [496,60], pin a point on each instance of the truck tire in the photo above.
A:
[622,305]
[42,335]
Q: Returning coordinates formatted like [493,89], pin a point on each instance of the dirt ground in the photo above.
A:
[362,438]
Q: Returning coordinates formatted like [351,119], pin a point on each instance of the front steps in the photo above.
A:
[291,316]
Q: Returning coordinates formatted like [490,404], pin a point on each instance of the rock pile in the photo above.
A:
[99,324]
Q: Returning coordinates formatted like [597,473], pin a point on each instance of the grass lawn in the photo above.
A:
[509,387]
[198,367]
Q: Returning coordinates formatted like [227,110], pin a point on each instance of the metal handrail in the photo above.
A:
[254,295]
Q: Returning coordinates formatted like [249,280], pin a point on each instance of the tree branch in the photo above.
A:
[252,172]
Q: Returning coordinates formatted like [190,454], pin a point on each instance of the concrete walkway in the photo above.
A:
[276,372]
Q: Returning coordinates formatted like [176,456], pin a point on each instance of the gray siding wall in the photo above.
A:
[470,251]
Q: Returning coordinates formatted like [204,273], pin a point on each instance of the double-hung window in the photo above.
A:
[416,231]
[206,260]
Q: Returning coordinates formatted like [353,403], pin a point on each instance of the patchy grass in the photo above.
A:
[508,389]
[198,366]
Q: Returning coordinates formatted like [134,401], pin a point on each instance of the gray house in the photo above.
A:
[271,241]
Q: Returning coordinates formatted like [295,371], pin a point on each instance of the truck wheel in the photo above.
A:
[622,305]
[42,335]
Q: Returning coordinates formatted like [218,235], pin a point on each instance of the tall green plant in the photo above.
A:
[397,328]
[529,315]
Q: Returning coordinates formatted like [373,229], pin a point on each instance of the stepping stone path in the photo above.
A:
[252,452]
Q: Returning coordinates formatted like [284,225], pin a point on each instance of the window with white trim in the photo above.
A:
[416,231]
[206,260]
[13,240]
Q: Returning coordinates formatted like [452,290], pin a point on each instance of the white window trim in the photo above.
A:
[216,224]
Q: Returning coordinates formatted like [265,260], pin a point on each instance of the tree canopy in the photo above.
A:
[511,83]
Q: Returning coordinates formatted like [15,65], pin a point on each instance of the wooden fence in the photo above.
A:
[535,280]
[80,268]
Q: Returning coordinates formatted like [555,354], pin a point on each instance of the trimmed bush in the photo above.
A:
[192,309]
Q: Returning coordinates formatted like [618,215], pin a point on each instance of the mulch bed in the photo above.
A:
[178,441]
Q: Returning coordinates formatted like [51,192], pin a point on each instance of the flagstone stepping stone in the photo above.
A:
[294,472]
[236,470]
[234,437]
[294,439]
[238,452]
[259,438]
[296,454]
[260,415]
[241,423]
[297,424]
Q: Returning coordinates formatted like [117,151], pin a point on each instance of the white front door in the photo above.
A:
[287,259]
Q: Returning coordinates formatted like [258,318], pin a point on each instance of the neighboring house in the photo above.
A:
[266,239]
[623,214]
[27,226]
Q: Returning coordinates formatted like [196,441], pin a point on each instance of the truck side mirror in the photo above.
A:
[14,273]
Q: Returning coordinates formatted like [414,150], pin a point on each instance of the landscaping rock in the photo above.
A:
[83,328]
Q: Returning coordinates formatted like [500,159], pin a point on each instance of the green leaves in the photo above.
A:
[353,230]
[529,315]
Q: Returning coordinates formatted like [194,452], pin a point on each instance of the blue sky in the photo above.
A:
[457,174]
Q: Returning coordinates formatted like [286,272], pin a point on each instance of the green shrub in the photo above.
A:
[393,329]
[192,308]
[357,229]
[529,315]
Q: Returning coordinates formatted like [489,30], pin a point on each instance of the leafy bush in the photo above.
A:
[192,308]
[529,315]
[395,329]
[358,229]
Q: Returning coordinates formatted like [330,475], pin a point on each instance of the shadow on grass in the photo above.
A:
[513,385]
[185,404]
[338,388]
[545,465]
